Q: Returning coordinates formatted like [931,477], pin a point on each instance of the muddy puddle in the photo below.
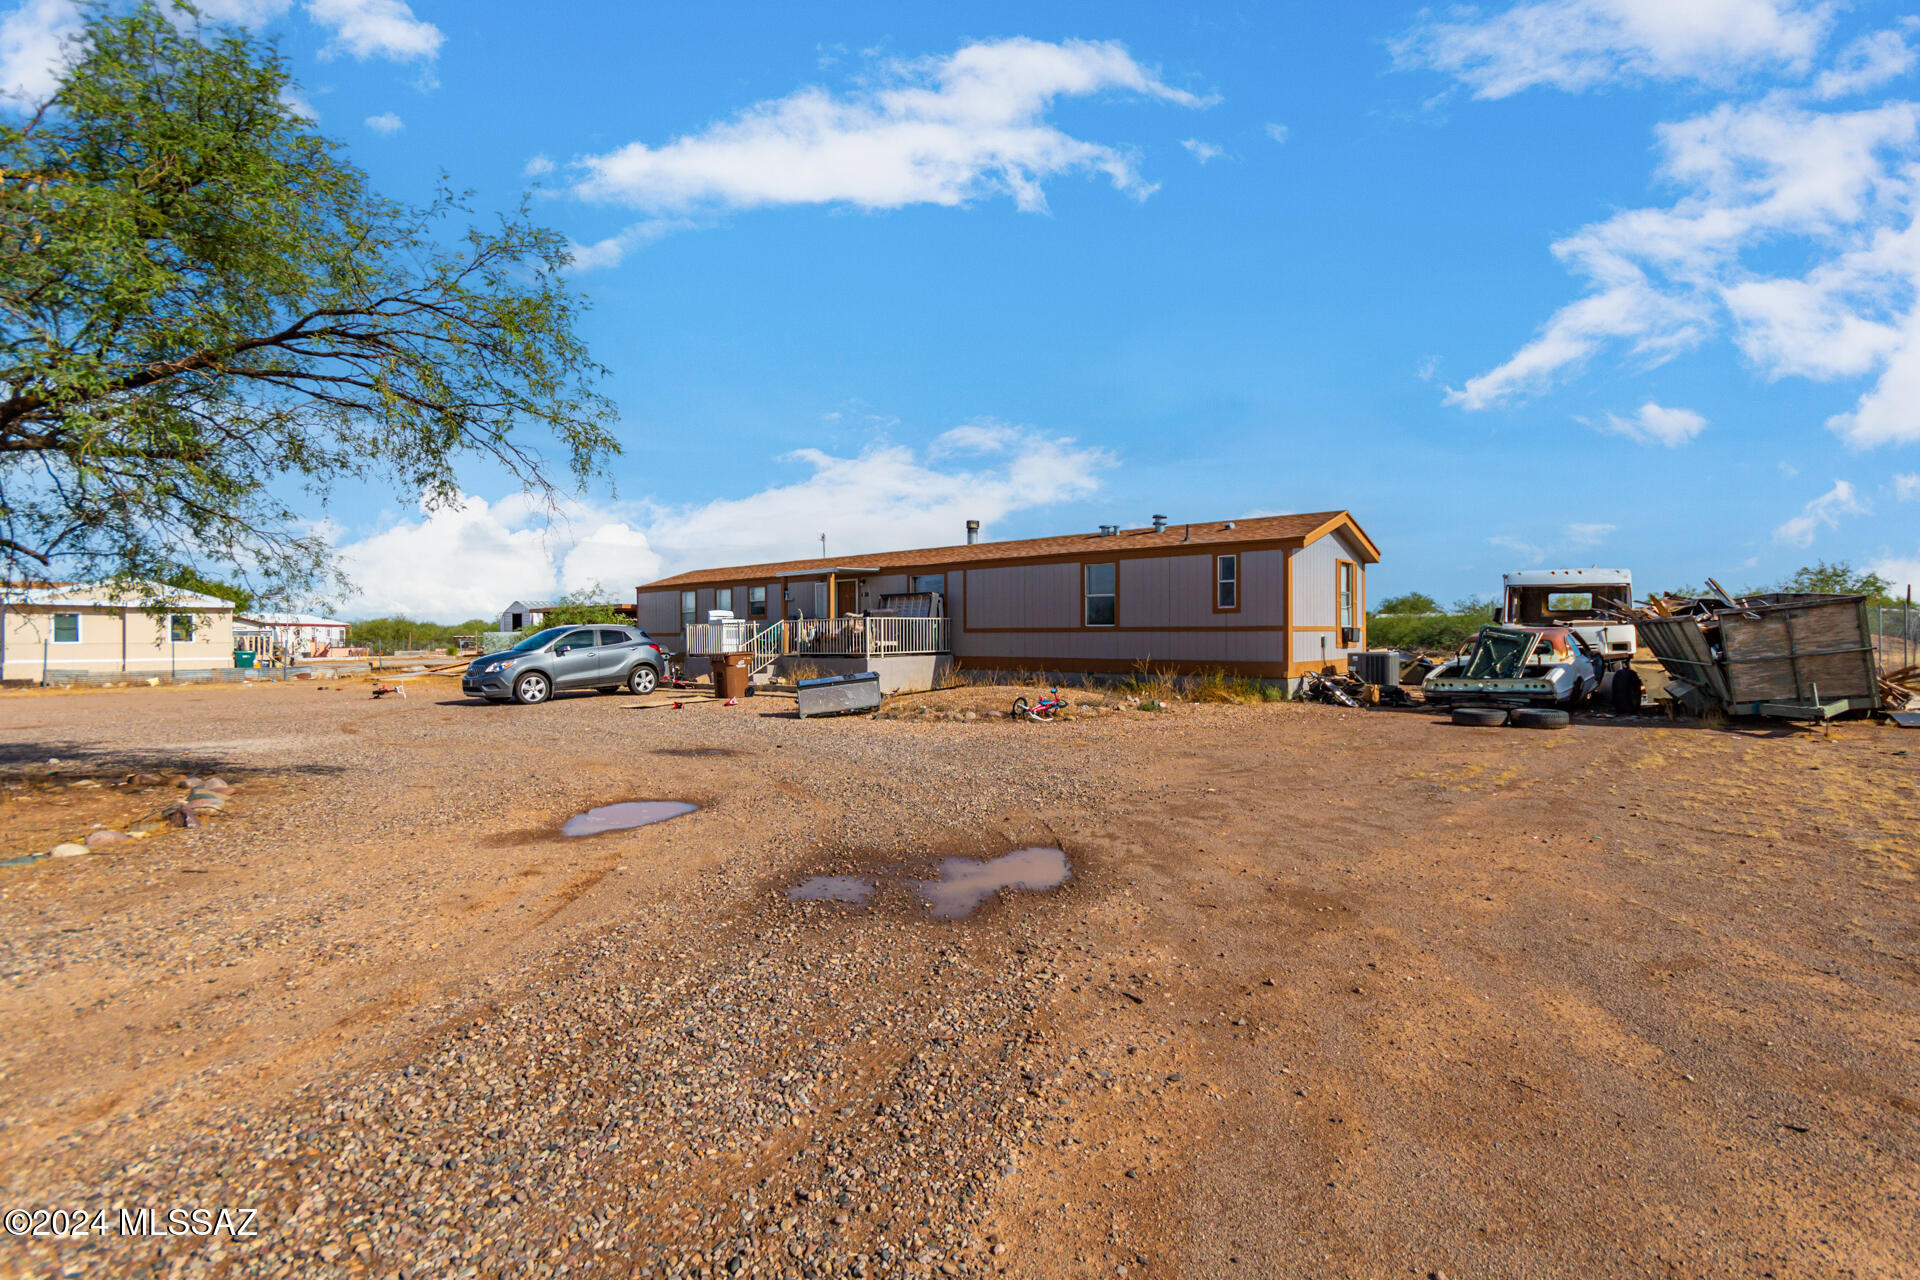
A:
[832,889]
[624,816]
[962,886]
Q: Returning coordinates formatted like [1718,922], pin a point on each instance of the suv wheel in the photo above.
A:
[531,688]
[642,679]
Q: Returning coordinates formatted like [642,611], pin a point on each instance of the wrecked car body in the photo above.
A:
[1518,667]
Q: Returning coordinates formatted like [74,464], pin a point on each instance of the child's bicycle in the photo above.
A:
[1041,710]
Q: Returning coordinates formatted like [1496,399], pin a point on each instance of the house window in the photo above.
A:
[756,602]
[66,628]
[182,624]
[688,607]
[933,583]
[723,599]
[1348,593]
[1226,582]
[1100,594]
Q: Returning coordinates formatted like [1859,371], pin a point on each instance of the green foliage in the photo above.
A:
[1840,579]
[1482,605]
[583,608]
[1445,631]
[1411,602]
[394,634]
[204,307]
[188,579]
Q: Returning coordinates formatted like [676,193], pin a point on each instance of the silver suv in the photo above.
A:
[561,658]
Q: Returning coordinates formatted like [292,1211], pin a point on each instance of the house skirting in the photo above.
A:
[1118,667]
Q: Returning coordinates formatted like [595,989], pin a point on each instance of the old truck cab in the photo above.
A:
[1590,601]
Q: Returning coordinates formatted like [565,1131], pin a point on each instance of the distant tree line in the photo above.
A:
[1417,621]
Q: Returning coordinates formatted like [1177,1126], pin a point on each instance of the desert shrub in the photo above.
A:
[1423,631]
[1219,686]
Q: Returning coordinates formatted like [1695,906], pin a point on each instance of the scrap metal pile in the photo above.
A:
[1799,656]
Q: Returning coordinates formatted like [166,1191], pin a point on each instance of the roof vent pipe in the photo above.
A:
[973,532]
[1159,524]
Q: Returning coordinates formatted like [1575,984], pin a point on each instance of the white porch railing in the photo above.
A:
[866,636]
[861,636]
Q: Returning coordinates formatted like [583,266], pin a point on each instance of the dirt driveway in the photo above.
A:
[1329,993]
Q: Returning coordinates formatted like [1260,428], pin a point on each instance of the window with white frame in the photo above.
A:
[723,599]
[689,606]
[756,602]
[1100,594]
[934,583]
[1226,582]
[66,628]
[1347,593]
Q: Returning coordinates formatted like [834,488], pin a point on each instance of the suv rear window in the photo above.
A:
[614,637]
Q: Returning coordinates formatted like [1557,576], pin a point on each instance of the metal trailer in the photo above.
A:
[1803,657]
[833,695]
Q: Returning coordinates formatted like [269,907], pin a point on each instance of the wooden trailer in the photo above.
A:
[1806,657]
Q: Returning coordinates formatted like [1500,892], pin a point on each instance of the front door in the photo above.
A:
[846,597]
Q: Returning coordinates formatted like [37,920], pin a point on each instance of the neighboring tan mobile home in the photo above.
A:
[95,629]
[1272,596]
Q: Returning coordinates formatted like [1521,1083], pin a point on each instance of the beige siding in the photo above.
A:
[1025,596]
[1316,597]
[145,648]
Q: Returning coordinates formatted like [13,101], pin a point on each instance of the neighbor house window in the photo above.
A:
[1348,573]
[688,607]
[1101,589]
[723,599]
[1226,582]
[756,602]
[930,583]
[66,628]
[182,626]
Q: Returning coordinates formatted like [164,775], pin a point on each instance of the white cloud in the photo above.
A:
[450,565]
[34,46]
[1906,488]
[1823,512]
[1654,424]
[385,122]
[886,497]
[297,104]
[1901,572]
[935,131]
[1278,132]
[1589,535]
[539,166]
[376,29]
[1834,189]
[613,250]
[1580,44]
[1527,551]
[1867,63]
[1202,151]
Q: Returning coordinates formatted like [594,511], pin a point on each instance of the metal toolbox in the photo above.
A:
[832,695]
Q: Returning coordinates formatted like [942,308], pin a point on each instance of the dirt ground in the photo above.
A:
[1329,994]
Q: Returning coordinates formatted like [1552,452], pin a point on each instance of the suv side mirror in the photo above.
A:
[564,649]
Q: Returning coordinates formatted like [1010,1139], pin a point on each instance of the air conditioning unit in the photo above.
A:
[1381,668]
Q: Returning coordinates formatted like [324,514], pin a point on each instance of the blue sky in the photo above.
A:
[1564,282]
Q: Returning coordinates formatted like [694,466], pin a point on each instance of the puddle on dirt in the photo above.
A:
[624,816]
[832,889]
[964,884]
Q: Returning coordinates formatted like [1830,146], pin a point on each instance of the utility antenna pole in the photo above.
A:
[823,546]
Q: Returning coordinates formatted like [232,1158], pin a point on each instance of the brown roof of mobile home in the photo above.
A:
[1295,530]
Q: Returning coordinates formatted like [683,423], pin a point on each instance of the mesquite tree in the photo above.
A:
[209,317]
